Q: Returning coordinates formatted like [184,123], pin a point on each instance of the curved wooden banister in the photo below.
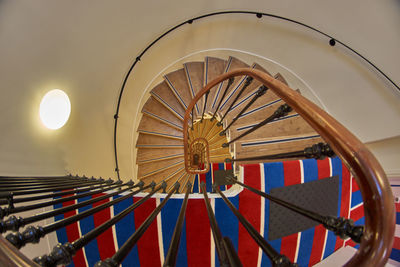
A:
[11,256]
[379,208]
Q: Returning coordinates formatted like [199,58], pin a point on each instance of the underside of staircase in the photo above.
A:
[160,147]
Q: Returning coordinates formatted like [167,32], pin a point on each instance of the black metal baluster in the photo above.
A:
[29,192]
[261,91]
[14,223]
[170,259]
[51,186]
[52,195]
[215,229]
[280,112]
[316,151]
[231,253]
[10,210]
[62,254]
[119,256]
[276,258]
[204,107]
[247,83]
[33,234]
[342,227]
[230,82]
[9,183]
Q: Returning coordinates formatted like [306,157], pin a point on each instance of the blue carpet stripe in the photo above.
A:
[397,217]
[124,229]
[274,177]
[227,222]
[196,184]
[221,166]
[356,198]
[209,181]
[86,225]
[244,100]
[169,216]
[62,232]
[395,254]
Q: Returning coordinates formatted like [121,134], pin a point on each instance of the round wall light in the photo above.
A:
[55,109]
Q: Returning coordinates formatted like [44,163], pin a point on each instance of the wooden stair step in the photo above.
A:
[154,141]
[145,155]
[179,86]
[233,63]
[195,77]
[213,67]
[270,146]
[156,110]
[219,151]
[220,158]
[254,85]
[179,177]
[152,168]
[291,124]
[162,93]
[182,188]
[163,175]
[149,125]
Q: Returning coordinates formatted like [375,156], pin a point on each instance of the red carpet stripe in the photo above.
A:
[198,234]
[396,243]
[149,254]
[105,241]
[292,176]
[345,201]
[73,234]
[250,208]
[357,213]
[354,186]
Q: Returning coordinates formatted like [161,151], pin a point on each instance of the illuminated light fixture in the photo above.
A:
[55,109]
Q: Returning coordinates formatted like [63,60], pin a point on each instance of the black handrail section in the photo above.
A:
[342,227]
[259,15]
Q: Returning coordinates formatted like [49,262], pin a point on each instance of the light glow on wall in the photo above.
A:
[55,109]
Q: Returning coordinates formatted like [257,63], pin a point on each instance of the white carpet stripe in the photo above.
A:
[301,171]
[112,213]
[296,255]
[262,219]
[160,237]
[323,248]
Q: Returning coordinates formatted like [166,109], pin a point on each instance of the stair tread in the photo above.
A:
[291,124]
[163,94]
[179,177]
[157,166]
[179,86]
[195,78]
[233,63]
[254,85]
[166,174]
[213,67]
[157,141]
[155,154]
[150,125]
[155,109]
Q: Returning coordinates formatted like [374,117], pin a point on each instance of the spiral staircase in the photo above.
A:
[217,112]
[160,146]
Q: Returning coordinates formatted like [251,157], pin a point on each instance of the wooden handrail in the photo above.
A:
[379,208]
[12,257]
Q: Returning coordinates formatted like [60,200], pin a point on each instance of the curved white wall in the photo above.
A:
[86,49]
